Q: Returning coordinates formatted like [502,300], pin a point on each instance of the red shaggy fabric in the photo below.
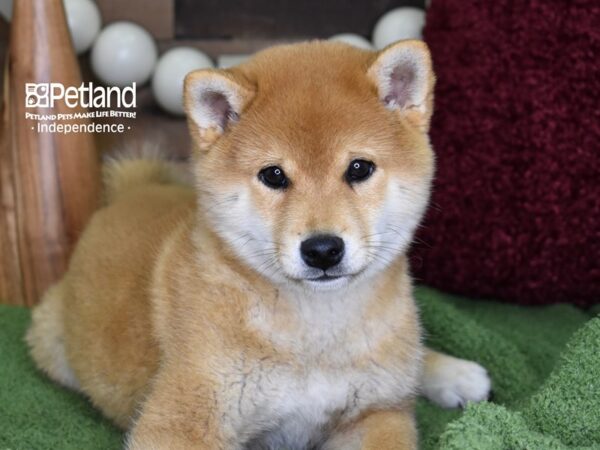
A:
[516,204]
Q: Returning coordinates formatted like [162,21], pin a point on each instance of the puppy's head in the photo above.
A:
[313,162]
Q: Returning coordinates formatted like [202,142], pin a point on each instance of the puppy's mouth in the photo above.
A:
[327,282]
[325,278]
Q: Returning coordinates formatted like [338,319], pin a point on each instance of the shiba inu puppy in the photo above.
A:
[269,304]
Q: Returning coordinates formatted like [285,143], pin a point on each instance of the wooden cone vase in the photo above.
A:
[49,182]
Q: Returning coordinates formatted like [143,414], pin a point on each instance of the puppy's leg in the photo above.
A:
[451,382]
[181,413]
[378,430]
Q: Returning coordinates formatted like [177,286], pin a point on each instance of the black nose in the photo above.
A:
[322,251]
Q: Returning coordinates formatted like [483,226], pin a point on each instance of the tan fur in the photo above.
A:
[390,429]
[174,334]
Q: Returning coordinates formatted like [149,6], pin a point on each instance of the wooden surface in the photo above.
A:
[157,16]
[282,19]
[49,183]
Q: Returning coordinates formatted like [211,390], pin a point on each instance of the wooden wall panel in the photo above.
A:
[208,19]
[157,16]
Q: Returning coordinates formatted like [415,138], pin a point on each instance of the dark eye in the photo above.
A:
[359,170]
[274,177]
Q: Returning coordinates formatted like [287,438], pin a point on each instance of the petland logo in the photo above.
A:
[99,98]
[44,95]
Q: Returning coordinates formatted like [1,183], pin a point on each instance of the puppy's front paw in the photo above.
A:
[451,382]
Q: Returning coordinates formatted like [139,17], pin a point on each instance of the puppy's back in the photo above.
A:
[100,311]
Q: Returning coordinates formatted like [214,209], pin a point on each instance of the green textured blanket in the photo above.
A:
[544,362]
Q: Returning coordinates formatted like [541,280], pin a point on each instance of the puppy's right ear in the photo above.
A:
[403,76]
[214,100]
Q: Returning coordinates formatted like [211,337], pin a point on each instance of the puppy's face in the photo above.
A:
[313,160]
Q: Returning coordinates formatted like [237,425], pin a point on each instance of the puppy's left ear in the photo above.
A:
[403,76]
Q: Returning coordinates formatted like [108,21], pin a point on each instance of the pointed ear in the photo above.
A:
[403,76]
[214,100]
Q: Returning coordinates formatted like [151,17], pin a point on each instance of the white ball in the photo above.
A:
[172,67]
[397,24]
[124,53]
[353,39]
[83,17]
